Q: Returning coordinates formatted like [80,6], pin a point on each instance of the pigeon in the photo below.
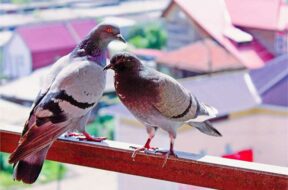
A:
[72,88]
[158,101]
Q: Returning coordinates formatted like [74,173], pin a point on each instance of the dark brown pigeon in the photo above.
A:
[158,100]
[72,88]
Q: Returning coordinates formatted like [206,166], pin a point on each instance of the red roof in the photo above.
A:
[215,21]
[263,14]
[202,56]
[48,42]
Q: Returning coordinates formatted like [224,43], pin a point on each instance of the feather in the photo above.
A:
[174,101]
[35,140]
[206,128]
[28,169]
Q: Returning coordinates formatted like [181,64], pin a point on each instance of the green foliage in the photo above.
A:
[20,1]
[102,126]
[51,171]
[150,36]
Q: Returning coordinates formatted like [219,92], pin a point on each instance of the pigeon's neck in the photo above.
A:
[93,50]
[99,58]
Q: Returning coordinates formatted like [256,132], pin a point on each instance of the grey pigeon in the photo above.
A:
[72,88]
[158,100]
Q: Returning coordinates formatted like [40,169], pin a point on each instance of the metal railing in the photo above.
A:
[205,171]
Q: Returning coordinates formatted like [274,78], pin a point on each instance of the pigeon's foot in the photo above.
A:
[146,149]
[85,136]
[166,155]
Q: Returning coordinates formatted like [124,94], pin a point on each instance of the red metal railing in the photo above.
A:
[206,171]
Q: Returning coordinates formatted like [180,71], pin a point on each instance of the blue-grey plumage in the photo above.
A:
[72,88]
[158,100]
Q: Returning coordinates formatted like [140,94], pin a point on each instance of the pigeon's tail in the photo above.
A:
[211,110]
[206,112]
[28,169]
[205,127]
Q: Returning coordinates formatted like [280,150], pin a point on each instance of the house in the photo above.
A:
[193,20]
[244,125]
[271,82]
[5,37]
[271,30]
[36,46]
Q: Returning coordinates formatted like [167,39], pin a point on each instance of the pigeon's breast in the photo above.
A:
[138,95]
[83,83]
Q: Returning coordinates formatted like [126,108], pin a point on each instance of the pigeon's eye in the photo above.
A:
[109,30]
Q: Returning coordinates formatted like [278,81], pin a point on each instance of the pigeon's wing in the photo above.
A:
[56,68]
[46,123]
[175,102]
[57,109]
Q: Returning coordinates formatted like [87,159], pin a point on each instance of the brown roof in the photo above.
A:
[202,56]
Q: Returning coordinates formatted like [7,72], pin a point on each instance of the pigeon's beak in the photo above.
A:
[107,67]
[120,38]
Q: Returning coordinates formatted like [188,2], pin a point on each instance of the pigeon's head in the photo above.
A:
[124,61]
[104,33]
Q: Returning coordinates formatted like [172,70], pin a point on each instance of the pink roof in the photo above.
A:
[45,37]
[47,42]
[214,21]
[204,53]
[82,27]
[263,14]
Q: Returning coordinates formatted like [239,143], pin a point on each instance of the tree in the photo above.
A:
[150,36]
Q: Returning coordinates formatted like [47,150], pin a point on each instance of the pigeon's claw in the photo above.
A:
[136,151]
[166,155]
[145,149]
[85,136]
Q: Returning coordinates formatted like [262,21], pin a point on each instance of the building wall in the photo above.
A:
[271,40]
[17,58]
[1,63]
[181,30]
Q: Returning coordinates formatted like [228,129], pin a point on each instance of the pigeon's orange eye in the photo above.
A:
[109,30]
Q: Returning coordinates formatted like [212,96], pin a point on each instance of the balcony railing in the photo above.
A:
[206,171]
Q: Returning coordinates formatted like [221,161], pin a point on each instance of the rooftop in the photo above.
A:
[216,23]
[207,56]
[242,13]
[47,42]
[271,81]
[64,14]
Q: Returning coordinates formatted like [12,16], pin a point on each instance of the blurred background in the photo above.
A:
[232,54]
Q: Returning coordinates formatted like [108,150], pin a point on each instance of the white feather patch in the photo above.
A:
[212,114]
